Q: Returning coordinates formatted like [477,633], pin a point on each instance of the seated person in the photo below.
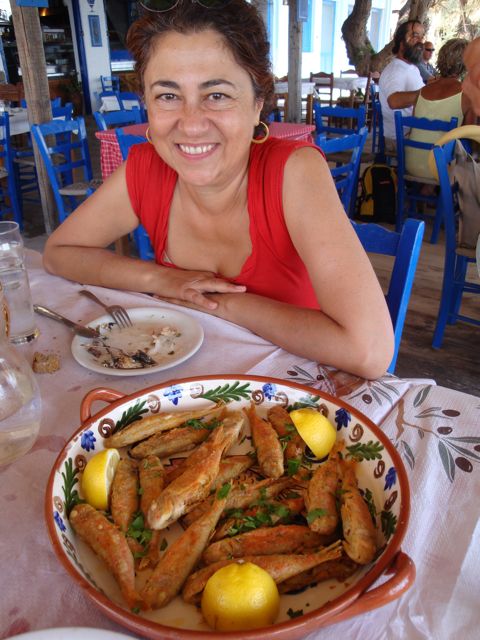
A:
[400,82]
[441,99]
[471,84]
[427,70]
[245,227]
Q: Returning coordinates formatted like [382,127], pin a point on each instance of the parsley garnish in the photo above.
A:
[195,423]
[137,530]
[293,465]
[224,490]
[315,513]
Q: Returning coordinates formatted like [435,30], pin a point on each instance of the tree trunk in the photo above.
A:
[294,107]
[354,31]
[28,35]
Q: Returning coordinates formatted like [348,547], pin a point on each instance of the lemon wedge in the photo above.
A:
[315,429]
[98,477]
[238,597]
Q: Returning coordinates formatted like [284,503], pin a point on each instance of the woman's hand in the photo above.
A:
[189,288]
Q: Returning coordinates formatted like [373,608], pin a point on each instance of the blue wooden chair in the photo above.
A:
[8,190]
[409,192]
[337,121]
[63,145]
[117,118]
[345,172]
[110,83]
[405,246]
[457,258]
[131,100]
[142,241]
[24,161]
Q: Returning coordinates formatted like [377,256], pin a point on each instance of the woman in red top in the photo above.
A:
[252,233]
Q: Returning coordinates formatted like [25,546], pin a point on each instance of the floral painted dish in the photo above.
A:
[381,477]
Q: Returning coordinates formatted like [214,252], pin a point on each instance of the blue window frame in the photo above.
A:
[307,33]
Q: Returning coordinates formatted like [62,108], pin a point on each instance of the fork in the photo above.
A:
[118,313]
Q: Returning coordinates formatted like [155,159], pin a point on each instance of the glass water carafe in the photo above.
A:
[20,402]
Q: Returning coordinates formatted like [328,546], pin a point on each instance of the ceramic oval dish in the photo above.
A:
[380,472]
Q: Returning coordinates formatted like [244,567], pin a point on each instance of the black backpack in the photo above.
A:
[377,202]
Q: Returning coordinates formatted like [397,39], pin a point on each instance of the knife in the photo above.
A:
[86,332]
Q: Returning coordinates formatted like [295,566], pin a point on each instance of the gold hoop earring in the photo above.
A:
[147,135]
[265,137]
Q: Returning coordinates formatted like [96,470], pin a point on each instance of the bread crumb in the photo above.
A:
[45,362]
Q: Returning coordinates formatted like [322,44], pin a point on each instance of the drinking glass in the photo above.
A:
[14,279]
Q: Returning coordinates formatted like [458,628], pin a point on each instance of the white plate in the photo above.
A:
[145,319]
[72,633]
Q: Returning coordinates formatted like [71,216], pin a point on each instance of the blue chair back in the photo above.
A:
[457,259]
[55,102]
[110,83]
[131,100]
[409,190]
[144,247]
[345,174]
[117,118]
[337,121]
[63,145]
[9,203]
[64,113]
[405,246]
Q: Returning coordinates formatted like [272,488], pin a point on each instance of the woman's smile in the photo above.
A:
[196,150]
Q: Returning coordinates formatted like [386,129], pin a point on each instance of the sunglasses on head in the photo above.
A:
[160,6]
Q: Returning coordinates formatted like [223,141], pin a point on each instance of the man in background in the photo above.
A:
[427,70]
[400,82]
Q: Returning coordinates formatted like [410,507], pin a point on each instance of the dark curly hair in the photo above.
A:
[400,34]
[450,58]
[239,23]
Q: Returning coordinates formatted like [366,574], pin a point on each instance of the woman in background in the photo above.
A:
[471,84]
[440,99]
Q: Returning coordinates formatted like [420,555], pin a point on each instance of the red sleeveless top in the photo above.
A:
[274,269]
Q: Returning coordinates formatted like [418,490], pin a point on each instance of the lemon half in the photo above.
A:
[238,597]
[315,429]
[98,477]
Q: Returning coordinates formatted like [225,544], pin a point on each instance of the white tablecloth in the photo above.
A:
[307,88]
[110,103]
[434,429]
[345,83]
[18,120]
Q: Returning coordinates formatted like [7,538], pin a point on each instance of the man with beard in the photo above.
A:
[400,82]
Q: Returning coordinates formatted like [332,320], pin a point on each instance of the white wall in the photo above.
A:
[98,58]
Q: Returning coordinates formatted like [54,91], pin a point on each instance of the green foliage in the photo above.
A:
[228,392]
[366,451]
[131,415]
[70,495]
